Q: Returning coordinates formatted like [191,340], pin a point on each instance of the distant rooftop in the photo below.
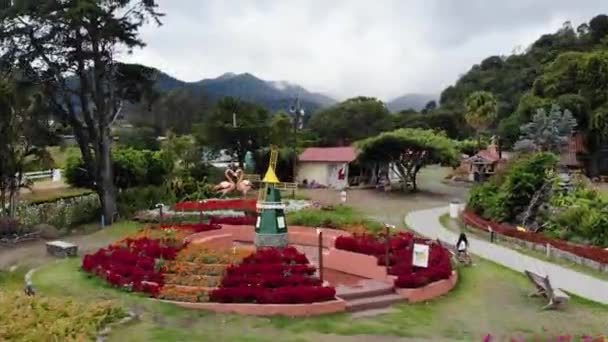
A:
[329,154]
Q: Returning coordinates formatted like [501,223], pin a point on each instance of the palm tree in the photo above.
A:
[481,110]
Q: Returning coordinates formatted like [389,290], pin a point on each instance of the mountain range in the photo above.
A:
[410,101]
[273,95]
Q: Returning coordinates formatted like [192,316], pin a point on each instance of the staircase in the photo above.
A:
[369,295]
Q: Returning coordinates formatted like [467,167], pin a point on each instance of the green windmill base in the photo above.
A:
[271,228]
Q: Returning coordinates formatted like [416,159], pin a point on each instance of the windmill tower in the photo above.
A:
[270,227]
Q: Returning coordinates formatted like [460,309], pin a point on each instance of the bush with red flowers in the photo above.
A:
[194,227]
[217,204]
[131,264]
[272,276]
[400,248]
[248,220]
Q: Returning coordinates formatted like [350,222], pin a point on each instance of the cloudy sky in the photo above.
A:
[344,48]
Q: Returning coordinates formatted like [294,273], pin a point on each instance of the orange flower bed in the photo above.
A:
[183,294]
[200,254]
[185,268]
[193,279]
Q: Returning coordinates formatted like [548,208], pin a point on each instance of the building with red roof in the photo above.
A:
[325,166]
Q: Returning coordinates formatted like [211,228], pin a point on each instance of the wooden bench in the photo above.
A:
[544,288]
[61,249]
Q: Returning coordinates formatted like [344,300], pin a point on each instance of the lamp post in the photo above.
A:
[320,235]
[387,245]
[296,111]
[160,212]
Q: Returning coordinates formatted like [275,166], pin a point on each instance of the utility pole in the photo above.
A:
[297,112]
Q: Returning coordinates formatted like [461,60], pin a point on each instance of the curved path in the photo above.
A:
[426,222]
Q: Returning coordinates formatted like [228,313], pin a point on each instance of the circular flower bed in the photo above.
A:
[401,257]
[156,261]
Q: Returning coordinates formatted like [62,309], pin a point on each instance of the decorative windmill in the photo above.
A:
[270,227]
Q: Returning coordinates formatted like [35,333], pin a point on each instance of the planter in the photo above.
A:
[365,266]
[288,310]
[429,291]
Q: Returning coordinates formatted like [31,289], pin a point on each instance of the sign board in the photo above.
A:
[421,255]
[257,223]
[281,222]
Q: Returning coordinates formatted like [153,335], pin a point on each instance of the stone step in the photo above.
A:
[369,303]
[351,293]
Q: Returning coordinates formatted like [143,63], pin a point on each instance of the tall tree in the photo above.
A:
[351,120]
[236,126]
[481,110]
[24,134]
[281,130]
[547,132]
[407,150]
[70,47]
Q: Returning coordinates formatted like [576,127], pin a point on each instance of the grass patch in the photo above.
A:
[53,194]
[61,154]
[457,226]
[338,218]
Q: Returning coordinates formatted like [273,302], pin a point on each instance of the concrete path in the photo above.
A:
[426,222]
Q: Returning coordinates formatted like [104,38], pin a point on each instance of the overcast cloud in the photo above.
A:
[381,48]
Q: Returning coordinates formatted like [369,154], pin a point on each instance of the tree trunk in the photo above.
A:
[105,180]
[478,142]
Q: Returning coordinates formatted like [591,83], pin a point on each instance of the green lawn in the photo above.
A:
[487,299]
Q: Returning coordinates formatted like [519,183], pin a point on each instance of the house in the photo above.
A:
[326,166]
[571,155]
[484,163]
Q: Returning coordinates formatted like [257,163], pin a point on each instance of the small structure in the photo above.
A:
[326,166]
[484,163]
[271,227]
[569,157]
[61,249]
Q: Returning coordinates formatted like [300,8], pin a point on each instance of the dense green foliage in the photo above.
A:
[139,138]
[581,215]
[131,168]
[409,149]
[351,120]
[567,68]
[507,195]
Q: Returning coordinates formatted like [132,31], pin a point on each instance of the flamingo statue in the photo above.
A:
[226,186]
[243,185]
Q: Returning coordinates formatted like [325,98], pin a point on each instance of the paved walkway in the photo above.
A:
[426,222]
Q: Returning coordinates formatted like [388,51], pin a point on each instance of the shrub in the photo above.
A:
[10,227]
[271,275]
[44,318]
[131,168]
[509,194]
[62,213]
[340,217]
[401,257]
[131,200]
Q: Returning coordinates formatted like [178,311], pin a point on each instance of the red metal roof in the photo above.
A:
[329,154]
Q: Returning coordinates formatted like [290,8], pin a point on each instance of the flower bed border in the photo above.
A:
[288,310]
[593,257]
[429,291]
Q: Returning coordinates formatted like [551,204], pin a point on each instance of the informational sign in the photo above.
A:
[257,223]
[281,222]
[421,255]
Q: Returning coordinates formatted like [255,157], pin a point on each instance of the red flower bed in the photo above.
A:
[194,227]
[590,252]
[131,264]
[216,204]
[272,276]
[248,220]
[401,257]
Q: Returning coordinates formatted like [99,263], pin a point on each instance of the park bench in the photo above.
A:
[61,249]
[544,288]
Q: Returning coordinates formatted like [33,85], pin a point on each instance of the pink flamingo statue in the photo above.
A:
[243,185]
[226,187]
